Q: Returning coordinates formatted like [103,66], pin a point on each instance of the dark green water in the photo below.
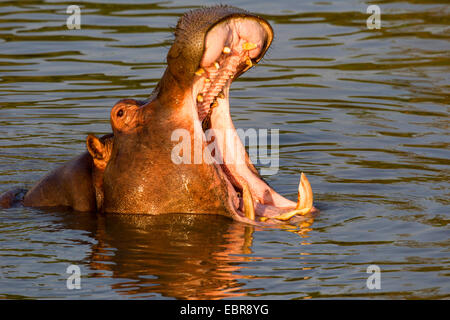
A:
[364,113]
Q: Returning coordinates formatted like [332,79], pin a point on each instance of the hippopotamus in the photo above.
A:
[141,169]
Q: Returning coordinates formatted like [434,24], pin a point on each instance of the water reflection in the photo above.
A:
[181,256]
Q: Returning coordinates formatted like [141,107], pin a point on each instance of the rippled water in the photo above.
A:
[364,113]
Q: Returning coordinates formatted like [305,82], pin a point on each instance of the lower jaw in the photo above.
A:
[237,176]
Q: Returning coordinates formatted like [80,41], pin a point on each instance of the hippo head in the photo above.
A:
[158,161]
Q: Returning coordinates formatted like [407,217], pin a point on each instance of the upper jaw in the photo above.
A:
[231,47]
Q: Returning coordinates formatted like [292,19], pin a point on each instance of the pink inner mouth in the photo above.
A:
[231,48]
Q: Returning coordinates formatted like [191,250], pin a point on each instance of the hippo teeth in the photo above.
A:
[212,88]
[249,62]
[304,202]
[305,195]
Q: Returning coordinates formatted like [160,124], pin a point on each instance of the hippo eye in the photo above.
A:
[120,113]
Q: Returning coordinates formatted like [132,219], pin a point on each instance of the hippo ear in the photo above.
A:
[95,147]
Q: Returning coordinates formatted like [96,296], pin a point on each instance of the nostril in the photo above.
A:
[120,113]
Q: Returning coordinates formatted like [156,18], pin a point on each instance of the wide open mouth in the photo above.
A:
[231,48]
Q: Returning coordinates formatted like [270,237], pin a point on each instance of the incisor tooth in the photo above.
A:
[249,209]
[304,202]
[200,97]
[217,65]
[200,71]
[249,46]
[226,50]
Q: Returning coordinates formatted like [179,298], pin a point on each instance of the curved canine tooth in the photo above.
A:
[217,65]
[226,50]
[200,97]
[304,202]
[249,62]
[200,71]
[305,194]
[249,209]
[249,46]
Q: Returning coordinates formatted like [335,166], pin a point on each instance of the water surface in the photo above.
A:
[364,113]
